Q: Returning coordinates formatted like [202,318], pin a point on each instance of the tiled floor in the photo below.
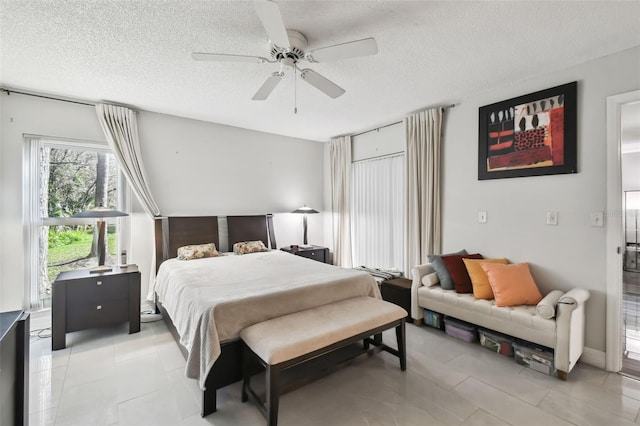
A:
[108,377]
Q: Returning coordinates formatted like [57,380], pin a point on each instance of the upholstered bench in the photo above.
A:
[291,340]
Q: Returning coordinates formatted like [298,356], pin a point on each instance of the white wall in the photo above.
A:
[379,142]
[193,167]
[571,254]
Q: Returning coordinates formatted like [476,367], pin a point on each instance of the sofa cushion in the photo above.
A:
[458,272]
[441,269]
[479,280]
[512,284]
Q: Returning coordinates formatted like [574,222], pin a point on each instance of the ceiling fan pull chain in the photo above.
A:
[295,90]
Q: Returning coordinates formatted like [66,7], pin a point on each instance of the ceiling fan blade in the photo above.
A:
[267,87]
[221,57]
[269,14]
[321,83]
[351,49]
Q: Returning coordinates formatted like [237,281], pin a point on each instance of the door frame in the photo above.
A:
[613,358]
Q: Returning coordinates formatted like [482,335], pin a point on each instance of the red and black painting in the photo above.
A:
[530,135]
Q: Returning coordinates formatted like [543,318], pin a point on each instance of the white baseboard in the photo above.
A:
[593,357]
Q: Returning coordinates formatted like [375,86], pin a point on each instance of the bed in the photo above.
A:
[207,302]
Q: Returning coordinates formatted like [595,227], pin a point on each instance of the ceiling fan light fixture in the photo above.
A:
[288,48]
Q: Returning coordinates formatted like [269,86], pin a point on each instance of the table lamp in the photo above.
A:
[100,213]
[305,210]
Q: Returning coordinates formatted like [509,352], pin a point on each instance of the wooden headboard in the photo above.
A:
[251,228]
[174,232]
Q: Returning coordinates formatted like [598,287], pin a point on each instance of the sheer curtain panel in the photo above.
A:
[340,156]
[120,126]
[378,213]
[423,199]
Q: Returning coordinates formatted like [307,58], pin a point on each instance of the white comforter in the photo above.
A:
[211,300]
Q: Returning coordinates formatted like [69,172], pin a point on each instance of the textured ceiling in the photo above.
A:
[429,53]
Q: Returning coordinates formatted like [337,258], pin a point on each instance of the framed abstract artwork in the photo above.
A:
[531,135]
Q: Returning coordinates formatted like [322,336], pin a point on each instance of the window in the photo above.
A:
[377,212]
[65,178]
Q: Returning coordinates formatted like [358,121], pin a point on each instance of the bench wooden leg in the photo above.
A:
[402,346]
[273,394]
[246,377]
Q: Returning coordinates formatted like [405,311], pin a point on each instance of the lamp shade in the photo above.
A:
[100,212]
[305,209]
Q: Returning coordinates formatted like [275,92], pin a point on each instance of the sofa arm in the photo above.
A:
[417,272]
[570,328]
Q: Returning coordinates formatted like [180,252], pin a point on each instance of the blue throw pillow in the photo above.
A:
[441,269]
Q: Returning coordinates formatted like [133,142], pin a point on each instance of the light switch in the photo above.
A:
[482,217]
[552,218]
[597,219]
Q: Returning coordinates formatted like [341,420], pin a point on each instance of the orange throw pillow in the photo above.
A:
[479,280]
[512,284]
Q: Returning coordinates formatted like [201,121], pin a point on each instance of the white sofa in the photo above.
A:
[564,333]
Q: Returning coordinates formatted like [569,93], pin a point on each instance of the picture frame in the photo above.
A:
[530,135]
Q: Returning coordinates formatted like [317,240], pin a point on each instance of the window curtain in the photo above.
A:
[378,212]
[340,157]
[423,199]
[120,126]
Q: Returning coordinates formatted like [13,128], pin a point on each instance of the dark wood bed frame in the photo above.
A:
[174,232]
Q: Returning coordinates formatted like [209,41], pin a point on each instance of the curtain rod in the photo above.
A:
[10,91]
[394,123]
[61,99]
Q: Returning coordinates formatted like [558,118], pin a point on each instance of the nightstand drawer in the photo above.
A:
[98,289]
[318,255]
[313,254]
[97,314]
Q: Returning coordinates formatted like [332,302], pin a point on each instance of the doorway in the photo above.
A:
[623,193]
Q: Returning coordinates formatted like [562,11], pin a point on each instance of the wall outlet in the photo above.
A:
[597,219]
[552,218]
[482,217]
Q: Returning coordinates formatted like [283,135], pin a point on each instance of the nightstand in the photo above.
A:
[321,254]
[82,299]
[398,291]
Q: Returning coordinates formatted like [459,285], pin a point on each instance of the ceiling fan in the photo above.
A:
[288,48]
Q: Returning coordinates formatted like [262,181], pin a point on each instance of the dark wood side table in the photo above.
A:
[14,368]
[82,299]
[321,254]
[398,291]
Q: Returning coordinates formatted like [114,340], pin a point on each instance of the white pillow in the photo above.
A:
[430,280]
[546,308]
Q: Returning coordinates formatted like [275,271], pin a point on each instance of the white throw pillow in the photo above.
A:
[430,280]
[546,308]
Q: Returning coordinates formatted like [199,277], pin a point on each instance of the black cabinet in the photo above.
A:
[398,291]
[14,368]
[321,254]
[82,299]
